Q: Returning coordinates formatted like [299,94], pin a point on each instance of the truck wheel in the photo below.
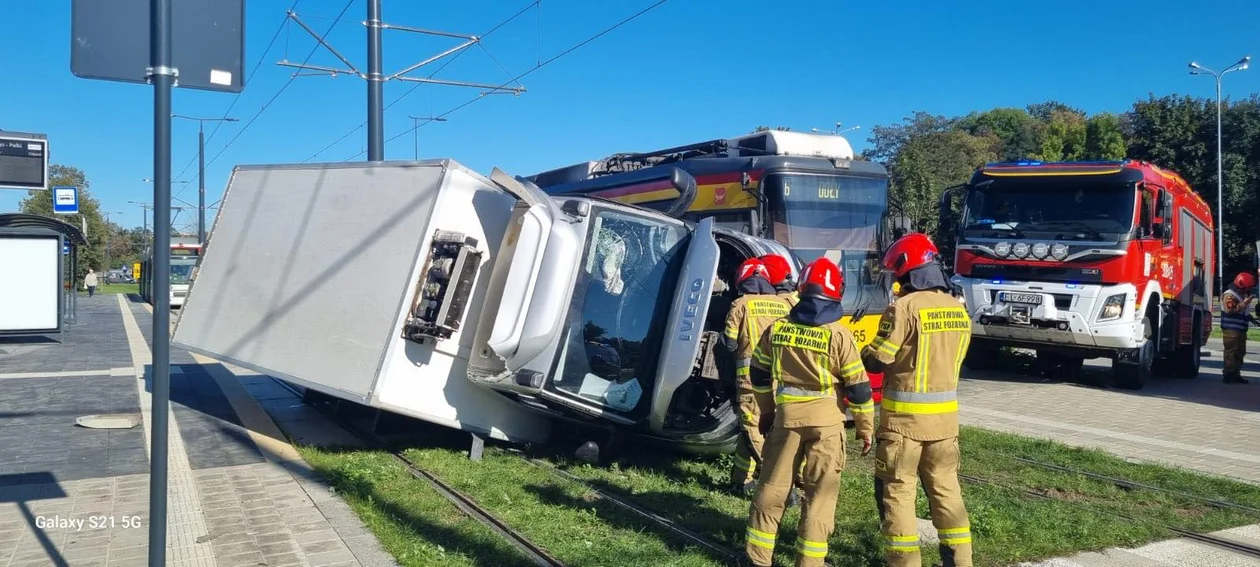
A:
[982,355]
[1189,357]
[1134,375]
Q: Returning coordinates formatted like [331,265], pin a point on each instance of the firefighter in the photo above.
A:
[1235,303]
[804,355]
[919,347]
[781,277]
[750,314]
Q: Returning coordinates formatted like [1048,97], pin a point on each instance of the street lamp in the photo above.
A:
[107,231]
[1196,69]
[415,131]
[201,170]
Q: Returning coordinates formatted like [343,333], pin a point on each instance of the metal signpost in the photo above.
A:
[23,161]
[202,45]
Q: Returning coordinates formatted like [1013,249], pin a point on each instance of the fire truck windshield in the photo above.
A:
[1092,208]
[837,216]
[625,285]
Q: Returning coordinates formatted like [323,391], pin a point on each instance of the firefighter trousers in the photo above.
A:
[899,463]
[822,451]
[756,414]
[1235,350]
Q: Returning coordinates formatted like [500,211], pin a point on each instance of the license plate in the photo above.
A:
[1030,298]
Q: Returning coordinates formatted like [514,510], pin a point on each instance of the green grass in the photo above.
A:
[1252,334]
[1010,526]
[116,288]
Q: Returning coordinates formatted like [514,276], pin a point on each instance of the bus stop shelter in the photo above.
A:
[38,295]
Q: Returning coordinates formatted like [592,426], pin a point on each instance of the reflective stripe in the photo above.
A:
[742,365]
[919,408]
[1234,321]
[920,397]
[789,394]
[903,544]
[955,536]
[921,364]
[746,466]
[811,548]
[761,389]
[732,334]
[853,369]
[958,358]
[881,344]
[760,538]
[868,407]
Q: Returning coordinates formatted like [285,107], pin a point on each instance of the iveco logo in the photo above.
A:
[690,308]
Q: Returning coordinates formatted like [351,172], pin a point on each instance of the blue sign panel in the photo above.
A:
[66,200]
[65,247]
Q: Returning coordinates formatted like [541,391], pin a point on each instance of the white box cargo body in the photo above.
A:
[310,275]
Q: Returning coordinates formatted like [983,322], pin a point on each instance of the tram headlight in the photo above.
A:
[1003,249]
[1059,251]
[1040,250]
[1020,250]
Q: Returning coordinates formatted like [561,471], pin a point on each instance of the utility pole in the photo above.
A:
[376,79]
[201,170]
[1196,69]
[108,231]
[415,131]
[375,84]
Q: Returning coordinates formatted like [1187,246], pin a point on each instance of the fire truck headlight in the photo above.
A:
[1040,250]
[1020,250]
[1003,249]
[1112,308]
[1059,251]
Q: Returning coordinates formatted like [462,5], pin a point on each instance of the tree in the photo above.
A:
[1063,137]
[1103,137]
[40,203]
[1017,131]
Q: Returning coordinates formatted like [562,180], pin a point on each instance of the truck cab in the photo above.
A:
[1086,260]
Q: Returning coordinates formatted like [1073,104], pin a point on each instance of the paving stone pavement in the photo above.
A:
[72,496]
[1199,424]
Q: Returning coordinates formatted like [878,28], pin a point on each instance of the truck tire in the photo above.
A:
[1188,358]
[1134,375]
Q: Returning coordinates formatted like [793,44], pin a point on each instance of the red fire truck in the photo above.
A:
[1086,260]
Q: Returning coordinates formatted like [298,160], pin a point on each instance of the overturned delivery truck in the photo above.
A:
[429,290]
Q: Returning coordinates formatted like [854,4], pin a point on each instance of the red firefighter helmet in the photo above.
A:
[1245,281]
[909,252]
[751,267]
[778,267]
[822,279]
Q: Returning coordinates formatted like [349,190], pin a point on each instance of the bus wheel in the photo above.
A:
[1188,358]
[1134,375]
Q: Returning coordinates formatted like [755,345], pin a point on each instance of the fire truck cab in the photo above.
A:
[1086,260]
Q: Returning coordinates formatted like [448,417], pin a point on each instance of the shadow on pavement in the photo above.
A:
[35,486]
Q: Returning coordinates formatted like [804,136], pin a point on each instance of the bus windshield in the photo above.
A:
[181,270]
[840,217]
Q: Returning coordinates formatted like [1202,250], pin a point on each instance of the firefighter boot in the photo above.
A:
[896,468]
[823,451]
[938,467]
[769,504]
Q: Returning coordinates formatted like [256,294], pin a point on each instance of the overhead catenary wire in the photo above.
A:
[284,87]
[444,64]
[517,78]
[218,123]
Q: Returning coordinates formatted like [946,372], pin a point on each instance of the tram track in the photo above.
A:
[533,551]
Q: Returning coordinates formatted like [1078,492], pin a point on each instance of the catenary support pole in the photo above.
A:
[162,76]
[1220,202]
[375,85]
[201,183]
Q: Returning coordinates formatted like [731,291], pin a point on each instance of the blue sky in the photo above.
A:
[688,71]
